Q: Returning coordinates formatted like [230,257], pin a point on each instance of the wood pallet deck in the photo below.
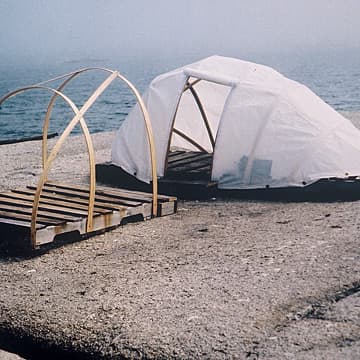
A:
[184,165]
[64,208]
[44,212]
[188,176]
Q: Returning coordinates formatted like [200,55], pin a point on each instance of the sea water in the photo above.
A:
[334,76]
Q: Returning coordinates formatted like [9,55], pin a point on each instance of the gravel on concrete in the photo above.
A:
[219,279]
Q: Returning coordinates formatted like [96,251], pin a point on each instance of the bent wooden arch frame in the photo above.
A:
[79,118]
[68,77]
[190,86]
[53,154]
[144,111]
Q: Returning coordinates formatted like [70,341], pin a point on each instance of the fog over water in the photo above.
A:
[61,30]
[316,42]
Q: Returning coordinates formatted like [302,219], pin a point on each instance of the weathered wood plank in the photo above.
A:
[118,193]
[70,199]
[49,207]
[17,216]
[83,195]
[21,223]
[54,201]
[132,194]
[177,152]
[27,210]
[100,195]
[198,164]
[178,156]
[136,197]
[189,159]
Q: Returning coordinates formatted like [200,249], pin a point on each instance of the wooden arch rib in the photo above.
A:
[78,118]
[68,77]
[189,139]
[190,86]
[150,135]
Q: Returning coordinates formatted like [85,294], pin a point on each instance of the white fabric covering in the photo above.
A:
[270,131]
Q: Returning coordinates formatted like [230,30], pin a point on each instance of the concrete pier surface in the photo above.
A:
[220,279]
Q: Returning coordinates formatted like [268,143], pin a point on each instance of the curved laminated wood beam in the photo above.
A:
[150,136]
[189,139]
[68,77]
[189,85]
[53,154]
[166,162]
[202,111]
[144,111]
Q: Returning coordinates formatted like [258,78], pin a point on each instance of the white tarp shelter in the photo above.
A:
[264,130]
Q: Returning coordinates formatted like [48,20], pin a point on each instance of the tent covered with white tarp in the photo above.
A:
[263,129]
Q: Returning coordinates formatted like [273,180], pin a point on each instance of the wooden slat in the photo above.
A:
[179,155]
[132,194]
[118,194]
[187,155]
[45,207]
[20,223]
[82,191]
[177,152]
[17,216]
[53,201]
[83,195]
[191,166]
[70,199]
[199,157]
[44,213]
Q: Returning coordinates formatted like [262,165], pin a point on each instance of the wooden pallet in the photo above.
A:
[188,176]
[183,165]
[42,213]
[63,209]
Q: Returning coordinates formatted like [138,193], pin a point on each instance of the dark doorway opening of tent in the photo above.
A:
[189,159]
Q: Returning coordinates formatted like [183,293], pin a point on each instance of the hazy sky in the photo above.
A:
[72,29]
